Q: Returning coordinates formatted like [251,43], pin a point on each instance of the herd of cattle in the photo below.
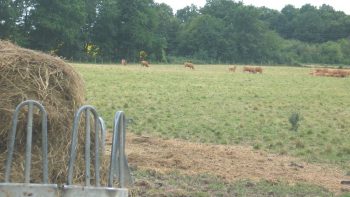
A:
[330,72]
[251,69]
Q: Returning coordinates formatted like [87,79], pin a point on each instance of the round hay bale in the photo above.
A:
[27,74]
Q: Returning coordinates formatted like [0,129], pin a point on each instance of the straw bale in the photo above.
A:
[27,74]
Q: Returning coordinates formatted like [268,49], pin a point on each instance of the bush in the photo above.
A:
[143,55]
[294,120]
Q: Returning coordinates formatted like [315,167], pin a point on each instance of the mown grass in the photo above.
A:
[151,183]
[211,105]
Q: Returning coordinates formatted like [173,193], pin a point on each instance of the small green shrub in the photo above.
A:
[143,55]
[294,120]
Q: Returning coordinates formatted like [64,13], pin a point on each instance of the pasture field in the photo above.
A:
[211,105]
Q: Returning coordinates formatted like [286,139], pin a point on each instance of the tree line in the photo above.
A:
[223,31]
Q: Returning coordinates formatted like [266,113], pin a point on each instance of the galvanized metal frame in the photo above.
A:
[118,164]
[87,109]
[27,188]
[90,191]
[70,190]
[30,104]
[103,134]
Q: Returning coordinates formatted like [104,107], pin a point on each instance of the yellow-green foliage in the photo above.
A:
[92,49]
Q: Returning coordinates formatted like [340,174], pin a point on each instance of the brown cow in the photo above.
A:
[232,68]
[144,63]
[124,62]
[330,72]
[321,72]
[247,69]
[338,73]
[189,65]
[252,69]
[258,70]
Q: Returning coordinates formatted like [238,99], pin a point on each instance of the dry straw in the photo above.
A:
[27,74]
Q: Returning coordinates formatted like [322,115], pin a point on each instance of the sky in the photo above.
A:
[339,5]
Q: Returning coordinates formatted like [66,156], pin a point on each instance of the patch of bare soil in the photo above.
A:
[231,162]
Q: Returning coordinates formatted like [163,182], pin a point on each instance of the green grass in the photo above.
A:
[211,105]
[150,183]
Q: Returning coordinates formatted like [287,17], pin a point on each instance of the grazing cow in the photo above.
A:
[189,65]
[319,72]
[258,70]
[124,62]
[247,69]
[144,63]
[330,72]
[339,73]
[252,69]
[232,68]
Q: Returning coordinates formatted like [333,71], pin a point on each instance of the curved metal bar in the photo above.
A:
[12,137]
[118,147]
[122,153]
[87,109]
[87,147]
[29,144]
[97,156]
[116,128]
[103,134]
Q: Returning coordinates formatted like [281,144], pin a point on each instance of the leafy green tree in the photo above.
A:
[92,8]
[308,24]
[253,41]
[24,21]
[124,27]
[187,13]
[220,8]
[167,32]
[285,24]
[331,53]
[203,38]
[58,26]
[8,17]
[137,26]
[336,24]
[221,31]
[106,30]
